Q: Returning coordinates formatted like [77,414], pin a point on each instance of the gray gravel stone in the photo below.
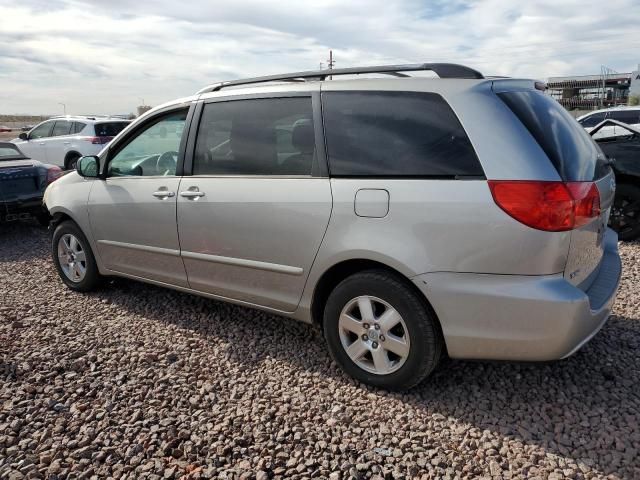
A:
[139,382]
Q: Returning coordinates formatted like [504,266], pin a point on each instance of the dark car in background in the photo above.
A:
[623,148]
[22,185]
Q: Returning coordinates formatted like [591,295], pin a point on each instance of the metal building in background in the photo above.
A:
[588,92]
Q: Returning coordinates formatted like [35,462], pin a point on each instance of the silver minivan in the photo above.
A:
[410,217]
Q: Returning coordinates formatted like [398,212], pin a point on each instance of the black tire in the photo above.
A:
[426,342]
[625,212]
[71,161]
[91,277]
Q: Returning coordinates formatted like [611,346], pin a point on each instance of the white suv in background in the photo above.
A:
[62,140]
[628,115]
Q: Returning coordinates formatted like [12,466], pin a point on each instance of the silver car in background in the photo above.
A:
[410,217]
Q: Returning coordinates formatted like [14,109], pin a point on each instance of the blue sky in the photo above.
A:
[105,56]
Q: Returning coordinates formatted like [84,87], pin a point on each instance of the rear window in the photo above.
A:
[8,151]
[110,129]
[395,134]
[569,147]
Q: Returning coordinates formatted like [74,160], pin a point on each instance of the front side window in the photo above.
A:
[271,136]
[391,134]
[152,151]
[62,127]
[592,120]
[41,131]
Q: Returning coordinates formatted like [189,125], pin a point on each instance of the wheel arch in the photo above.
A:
[61,214]
[343,269]
[69,155]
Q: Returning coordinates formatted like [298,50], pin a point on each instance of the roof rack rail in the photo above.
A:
[443,70]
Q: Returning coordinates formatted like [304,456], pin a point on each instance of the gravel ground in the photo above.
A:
[139,382]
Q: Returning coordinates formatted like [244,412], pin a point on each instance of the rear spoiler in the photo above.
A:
[500,85]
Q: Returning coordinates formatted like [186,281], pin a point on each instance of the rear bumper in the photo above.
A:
[27,205]
[512,317]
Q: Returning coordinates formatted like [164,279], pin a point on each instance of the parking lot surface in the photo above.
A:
[139,382]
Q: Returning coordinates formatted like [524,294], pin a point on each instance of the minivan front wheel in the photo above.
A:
[73,258]
[380,331]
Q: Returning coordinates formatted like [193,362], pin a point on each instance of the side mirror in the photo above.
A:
[89,166]
[23,136]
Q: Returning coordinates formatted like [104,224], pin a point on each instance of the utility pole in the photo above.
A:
[331,62]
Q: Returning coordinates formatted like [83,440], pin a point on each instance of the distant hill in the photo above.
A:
[30,119]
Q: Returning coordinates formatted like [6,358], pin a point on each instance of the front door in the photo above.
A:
[133,212]
[36,145]
[252,216]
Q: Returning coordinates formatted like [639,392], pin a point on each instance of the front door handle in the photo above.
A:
[163,194]
[192,193]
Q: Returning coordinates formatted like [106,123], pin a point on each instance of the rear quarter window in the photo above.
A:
[569,147]
[77,127]
[626,116]
[395,134]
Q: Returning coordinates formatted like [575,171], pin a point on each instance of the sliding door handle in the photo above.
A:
[192,194]
[163,194]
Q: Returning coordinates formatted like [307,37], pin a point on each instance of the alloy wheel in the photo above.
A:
[374,335]
[72,258]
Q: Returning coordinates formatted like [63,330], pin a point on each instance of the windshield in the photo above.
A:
[8,152]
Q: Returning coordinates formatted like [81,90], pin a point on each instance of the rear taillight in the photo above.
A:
[549,206]
[53,173]
[99,140]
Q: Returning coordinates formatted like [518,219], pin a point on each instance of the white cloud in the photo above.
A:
[102,57]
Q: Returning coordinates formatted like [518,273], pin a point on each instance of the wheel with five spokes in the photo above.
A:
[73,258]
[380,331]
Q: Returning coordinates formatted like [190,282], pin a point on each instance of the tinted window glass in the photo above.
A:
[152,151]
[61,128]
[625,116]
[395,134]
[568,146]
[77,127]
[41,131]
[592,120]
[272,136]
[111,129]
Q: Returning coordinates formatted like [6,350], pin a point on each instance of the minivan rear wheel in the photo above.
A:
[380,331]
